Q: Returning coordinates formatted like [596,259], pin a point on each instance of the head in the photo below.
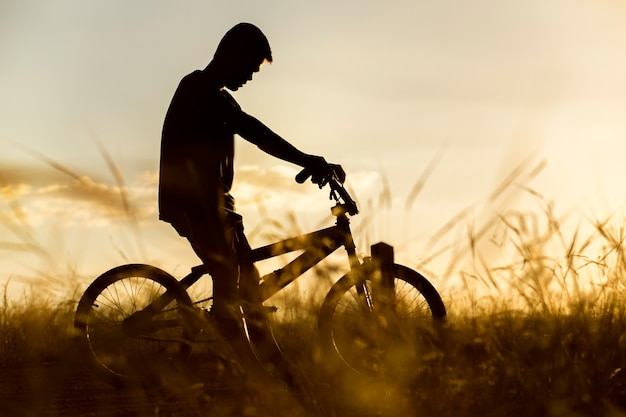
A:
[240,54]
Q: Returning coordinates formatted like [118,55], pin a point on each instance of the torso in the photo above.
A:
[197,148]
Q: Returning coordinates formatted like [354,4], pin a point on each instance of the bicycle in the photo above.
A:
[137,322]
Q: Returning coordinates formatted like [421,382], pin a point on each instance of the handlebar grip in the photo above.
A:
[303,175]
[335,185]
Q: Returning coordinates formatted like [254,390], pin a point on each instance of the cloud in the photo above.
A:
[276,178]
[42,196]
[13,191]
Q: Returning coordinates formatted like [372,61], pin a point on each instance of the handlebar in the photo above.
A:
[337,191]
[303,176]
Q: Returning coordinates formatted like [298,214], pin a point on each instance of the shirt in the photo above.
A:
[197,151]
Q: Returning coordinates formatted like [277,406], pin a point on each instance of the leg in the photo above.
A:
[249,276]
[261,338]
[217,251]
[235,286]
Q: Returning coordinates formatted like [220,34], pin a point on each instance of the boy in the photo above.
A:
[196,171]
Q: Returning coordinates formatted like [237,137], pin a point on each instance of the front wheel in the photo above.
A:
[132,324]
[371,337]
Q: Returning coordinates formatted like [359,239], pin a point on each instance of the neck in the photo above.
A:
[213,75]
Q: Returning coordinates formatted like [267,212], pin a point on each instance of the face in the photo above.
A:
[240,75]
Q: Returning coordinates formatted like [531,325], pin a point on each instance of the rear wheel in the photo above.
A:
[358,333]
[133,323]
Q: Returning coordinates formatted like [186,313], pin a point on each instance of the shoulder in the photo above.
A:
[229,99]
[194,88]
[192,77]
[192,81]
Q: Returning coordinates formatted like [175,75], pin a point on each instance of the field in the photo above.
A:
[543,347]
[539,331]
[497,364]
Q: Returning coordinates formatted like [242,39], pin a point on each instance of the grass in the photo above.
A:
[552,356]
[543,357]
[537,329]
[34,330]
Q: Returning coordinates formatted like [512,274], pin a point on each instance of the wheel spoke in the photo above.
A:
[358,337]
[139,350]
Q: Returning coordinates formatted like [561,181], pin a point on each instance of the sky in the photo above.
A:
[428,105]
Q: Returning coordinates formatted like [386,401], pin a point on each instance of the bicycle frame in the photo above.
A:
[316,245]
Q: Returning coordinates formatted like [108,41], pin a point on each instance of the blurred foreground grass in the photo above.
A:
[498,363]
[33,329]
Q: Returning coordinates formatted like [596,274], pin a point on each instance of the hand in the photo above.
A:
[340,174]
[321,171]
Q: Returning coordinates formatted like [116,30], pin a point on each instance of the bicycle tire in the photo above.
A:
[113,353]
[353,337]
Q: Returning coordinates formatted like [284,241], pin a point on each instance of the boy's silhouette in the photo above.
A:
[196,170]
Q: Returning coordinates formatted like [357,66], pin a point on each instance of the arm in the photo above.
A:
[256,132]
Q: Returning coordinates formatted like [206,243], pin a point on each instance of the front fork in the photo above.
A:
[376,287]
[390,342]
